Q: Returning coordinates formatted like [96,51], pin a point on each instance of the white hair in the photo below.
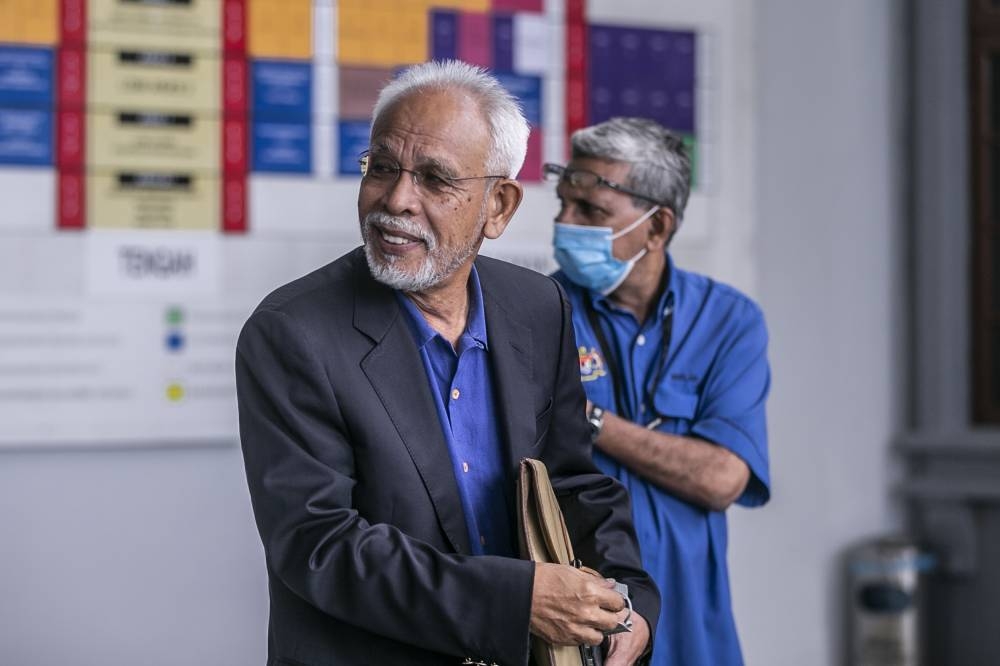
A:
[501,110]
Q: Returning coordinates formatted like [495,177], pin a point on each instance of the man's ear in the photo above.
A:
[662,226]
[503,200]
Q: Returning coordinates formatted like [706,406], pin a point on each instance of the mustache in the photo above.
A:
[386,222]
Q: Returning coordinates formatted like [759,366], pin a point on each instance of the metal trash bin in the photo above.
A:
[885,602]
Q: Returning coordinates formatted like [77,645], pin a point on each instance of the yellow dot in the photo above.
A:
[175,392]
[455,393]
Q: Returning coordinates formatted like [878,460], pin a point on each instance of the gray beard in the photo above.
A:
[437,266]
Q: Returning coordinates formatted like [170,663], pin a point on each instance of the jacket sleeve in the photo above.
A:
[300,465]
[596,507]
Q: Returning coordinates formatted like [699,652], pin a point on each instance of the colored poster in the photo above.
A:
[26,76]
[281,147]
[25,137]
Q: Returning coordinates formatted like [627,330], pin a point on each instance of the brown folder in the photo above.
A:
[542,537]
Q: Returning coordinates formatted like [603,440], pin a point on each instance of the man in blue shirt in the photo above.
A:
[675,369]
[387,398]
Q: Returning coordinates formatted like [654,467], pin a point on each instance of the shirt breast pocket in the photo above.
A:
[675,408]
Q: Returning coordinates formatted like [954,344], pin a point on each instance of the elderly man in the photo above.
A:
[675,369]
[387,398]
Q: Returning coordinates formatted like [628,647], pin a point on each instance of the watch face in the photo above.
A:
[596,420]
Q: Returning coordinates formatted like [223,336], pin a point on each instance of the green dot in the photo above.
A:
[175,315]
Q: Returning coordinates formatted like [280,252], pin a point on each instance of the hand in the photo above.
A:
[570,607]
[624,649]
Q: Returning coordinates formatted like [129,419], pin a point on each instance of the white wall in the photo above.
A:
[828,139]
[117,558]
[120,557]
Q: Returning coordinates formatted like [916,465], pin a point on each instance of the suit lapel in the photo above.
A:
[511,352]
[396,372]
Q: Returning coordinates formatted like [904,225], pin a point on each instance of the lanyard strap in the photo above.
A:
[611,353]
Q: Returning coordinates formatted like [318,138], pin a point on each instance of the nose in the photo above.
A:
[564,216]
[402,197]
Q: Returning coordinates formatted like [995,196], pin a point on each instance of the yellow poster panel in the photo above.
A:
[192,24]
[279,29]
[153,140]
[29,21]
[152,200]
[381,34]
[384,33]
[157,80]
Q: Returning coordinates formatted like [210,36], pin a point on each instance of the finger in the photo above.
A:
[609,599]
[592,637]
[603,620]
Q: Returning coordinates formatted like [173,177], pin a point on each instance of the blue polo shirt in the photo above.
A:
[462,384]
[709,382]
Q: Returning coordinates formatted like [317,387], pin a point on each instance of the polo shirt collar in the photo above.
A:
[663,306]
[475,326]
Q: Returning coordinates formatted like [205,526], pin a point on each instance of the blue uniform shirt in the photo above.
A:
[711,385]
[462,384]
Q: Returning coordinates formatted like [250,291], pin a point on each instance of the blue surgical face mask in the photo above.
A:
[585,254]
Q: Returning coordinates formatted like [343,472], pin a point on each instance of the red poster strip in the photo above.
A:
[234,203]
[70,199]
[70,139]
[577,103]
[70,115]
[73,22]
[71,76]
[234,85]
[234,26]
[235,98]
[234,146]
[576,11]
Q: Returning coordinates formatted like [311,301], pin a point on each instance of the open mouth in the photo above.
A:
[397,237]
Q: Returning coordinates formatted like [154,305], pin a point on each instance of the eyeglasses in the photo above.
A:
[383,170]
[585,180]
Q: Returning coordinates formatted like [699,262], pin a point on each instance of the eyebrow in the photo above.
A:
[577,200]
[423,162]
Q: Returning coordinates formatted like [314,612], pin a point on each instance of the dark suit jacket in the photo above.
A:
[352,486]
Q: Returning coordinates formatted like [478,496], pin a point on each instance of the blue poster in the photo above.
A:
[281,147]
[281,90]
[26,76]
[643,72]
[528,90]
[444,34]
[25,137]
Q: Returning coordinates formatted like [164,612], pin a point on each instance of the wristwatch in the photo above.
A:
[595,417]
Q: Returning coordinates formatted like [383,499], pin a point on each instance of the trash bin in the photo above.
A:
[885,598]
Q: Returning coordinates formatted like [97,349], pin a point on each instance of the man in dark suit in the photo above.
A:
[387,398]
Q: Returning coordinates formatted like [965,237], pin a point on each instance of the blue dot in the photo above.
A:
[175,341]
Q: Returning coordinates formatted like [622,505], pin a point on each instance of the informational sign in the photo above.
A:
[164,164]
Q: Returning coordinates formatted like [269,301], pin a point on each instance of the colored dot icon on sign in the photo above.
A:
[175,392]
[175,316]
[174,341]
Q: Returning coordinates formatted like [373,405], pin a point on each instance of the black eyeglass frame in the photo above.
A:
[565,173]
[418,178]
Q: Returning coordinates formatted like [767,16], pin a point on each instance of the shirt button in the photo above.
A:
[465,467]
[641,340]
[455,393]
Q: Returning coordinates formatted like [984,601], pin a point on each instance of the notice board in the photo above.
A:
[164,164]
